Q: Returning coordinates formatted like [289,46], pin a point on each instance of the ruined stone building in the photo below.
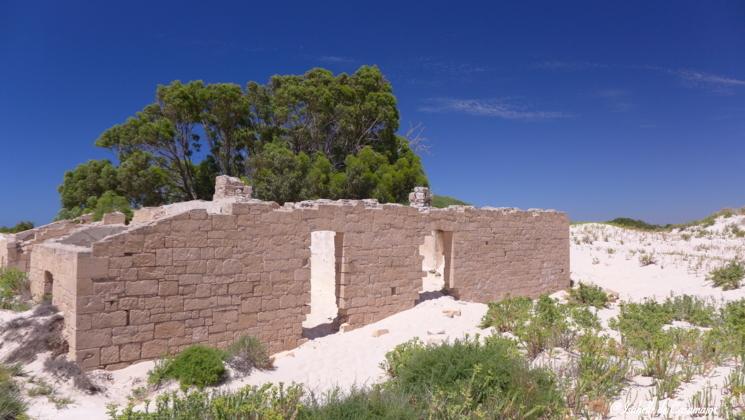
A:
[212,271]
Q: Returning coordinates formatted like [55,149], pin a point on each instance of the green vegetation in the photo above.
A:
[197,365]
[42,388]
[491,377]
[266,402]
[507,314]
[19,227]
[674,355]
[442,201]
[12,404]
[297,137]
[466,378]
[589,294]
[469,376]
[729,276]
[629,223]
[14,289]
[626,222]
[248,353]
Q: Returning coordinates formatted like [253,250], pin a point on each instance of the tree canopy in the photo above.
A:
[315,135]
[19,227]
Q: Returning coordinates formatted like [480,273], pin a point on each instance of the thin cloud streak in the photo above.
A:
[335,59]
[496,108]
[714,82]
[718,83]
[569,65]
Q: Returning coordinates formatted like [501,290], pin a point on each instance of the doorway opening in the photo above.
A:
[325,272]
[48,286]
[436,264]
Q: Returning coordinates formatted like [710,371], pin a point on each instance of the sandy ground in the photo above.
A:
[610,257]
[600,254]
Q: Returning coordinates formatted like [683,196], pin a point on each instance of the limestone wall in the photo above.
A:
[72,271]
[200,277]
[15,249]
[8,251]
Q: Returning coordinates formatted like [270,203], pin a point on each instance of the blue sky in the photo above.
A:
[599,109]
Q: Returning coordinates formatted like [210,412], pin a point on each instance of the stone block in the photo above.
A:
[169,329]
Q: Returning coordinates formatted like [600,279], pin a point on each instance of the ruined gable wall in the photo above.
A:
[503,251]
[15,250]
[200,277]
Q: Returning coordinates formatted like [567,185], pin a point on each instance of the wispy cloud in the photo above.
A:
[497,108]
[336,59]
[569,65]
[693,78]
[617,100]
[451,68]
[714,82]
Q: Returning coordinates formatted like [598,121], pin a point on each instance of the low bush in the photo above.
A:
[639,323]
[733,318]
[251,402]
[248,353]
[601,372]
[647,259]
[589,294]
[729,276]
[692,309]
[375,403]
[629,223]
[475,376]
[12,404]
[507,314]
[197,365]
[14,289]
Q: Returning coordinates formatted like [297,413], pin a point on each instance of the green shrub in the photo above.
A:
[626,222]
[692,309]
[478,376]
[647,259]
[197,365]
[246,354]
[733,316]
[507,314]
[12,405]
[601,375]
[376,403]
[589,294]
[265,402]
[729,276]
[14,289]
[548,327]
[639,323]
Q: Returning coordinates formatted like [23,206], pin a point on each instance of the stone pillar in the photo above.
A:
[231,187]
[420,198]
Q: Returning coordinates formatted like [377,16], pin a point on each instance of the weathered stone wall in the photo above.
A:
[201,277]
[15,249]
[8,251]
[70,270]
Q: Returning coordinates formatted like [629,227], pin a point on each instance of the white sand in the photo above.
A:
[684,258]
[352,358]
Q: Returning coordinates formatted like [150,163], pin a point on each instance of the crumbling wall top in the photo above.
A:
[228,187]
[420,198]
